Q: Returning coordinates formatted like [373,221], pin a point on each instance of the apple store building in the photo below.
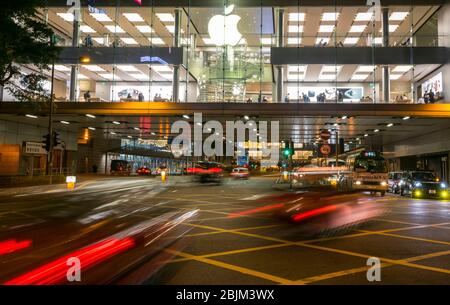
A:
[250,51]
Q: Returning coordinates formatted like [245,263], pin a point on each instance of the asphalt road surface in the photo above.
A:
[411,239]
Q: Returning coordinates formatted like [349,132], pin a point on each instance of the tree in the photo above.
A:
[30,89]
[24,39]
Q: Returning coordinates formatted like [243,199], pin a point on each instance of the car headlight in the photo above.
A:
[443,185]
[417,184]
[383,183]
[358,182]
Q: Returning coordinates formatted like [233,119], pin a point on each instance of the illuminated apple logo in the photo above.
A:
[223,28]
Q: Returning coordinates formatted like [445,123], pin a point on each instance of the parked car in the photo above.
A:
[394,179]
[418,184]
[240,173]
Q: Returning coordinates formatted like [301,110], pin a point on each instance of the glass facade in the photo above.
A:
[245,54]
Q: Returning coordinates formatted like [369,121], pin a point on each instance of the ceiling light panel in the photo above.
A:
[296,17]
[114,29]
[101,17]
[330,16]
[133,17]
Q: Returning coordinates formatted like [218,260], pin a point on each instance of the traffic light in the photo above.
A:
[46,142]
[287,152]
[56,138]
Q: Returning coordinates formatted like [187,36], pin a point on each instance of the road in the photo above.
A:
[411,238]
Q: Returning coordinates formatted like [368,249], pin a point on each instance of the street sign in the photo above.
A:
[325,149]
[35,148]
[325,135]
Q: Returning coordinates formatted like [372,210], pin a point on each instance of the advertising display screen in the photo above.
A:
[322,94]
[434,84]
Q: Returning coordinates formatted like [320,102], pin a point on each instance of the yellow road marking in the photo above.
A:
[239,269]
[411,237]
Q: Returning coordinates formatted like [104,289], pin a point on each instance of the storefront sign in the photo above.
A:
[35,148]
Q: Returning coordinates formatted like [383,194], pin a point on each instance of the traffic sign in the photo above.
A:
[325,135]
[325,149]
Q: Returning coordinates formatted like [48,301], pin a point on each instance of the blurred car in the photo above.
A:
[143,171]
[207,172]
[394,179]
[419,184]
[240,173]
[120,167]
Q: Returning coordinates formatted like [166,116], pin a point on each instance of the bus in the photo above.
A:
[366,171]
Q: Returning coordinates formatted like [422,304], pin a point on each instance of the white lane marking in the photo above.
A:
[254,197]
[115,202]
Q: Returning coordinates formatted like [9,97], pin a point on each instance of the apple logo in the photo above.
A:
[223,28]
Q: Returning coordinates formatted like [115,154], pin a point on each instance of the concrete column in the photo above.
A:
[176,68]
[279,69]
[386,82]
[74,68]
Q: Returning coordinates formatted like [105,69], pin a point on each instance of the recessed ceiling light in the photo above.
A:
[351,40]
[327,76]
[186,116]
[365,68]
[395,76]
[112,132]
[140,76]
[344,117]
[90,116]
[390,125]
[406,118]
[296,17]
[99,40]
[136,128]
[161,68]
[357,28]
[266,41]
[330,16]
[401,69]
[326,28]
[109,76]
[153,134]
[114,29]
[127,68]
[133,17]
[376,130]
[64,122]
[363,16]
[62,68]
[165,17]
[91,128]
[31,116]
[116,122]
[94,68]
[128,40]
[398,16]
[333,69]
[66,16]
[366,135]
[360,76]
[294,40]
[129,137]
[144,28]
[156,40]
[246,117]
[101,17]
[87,29]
